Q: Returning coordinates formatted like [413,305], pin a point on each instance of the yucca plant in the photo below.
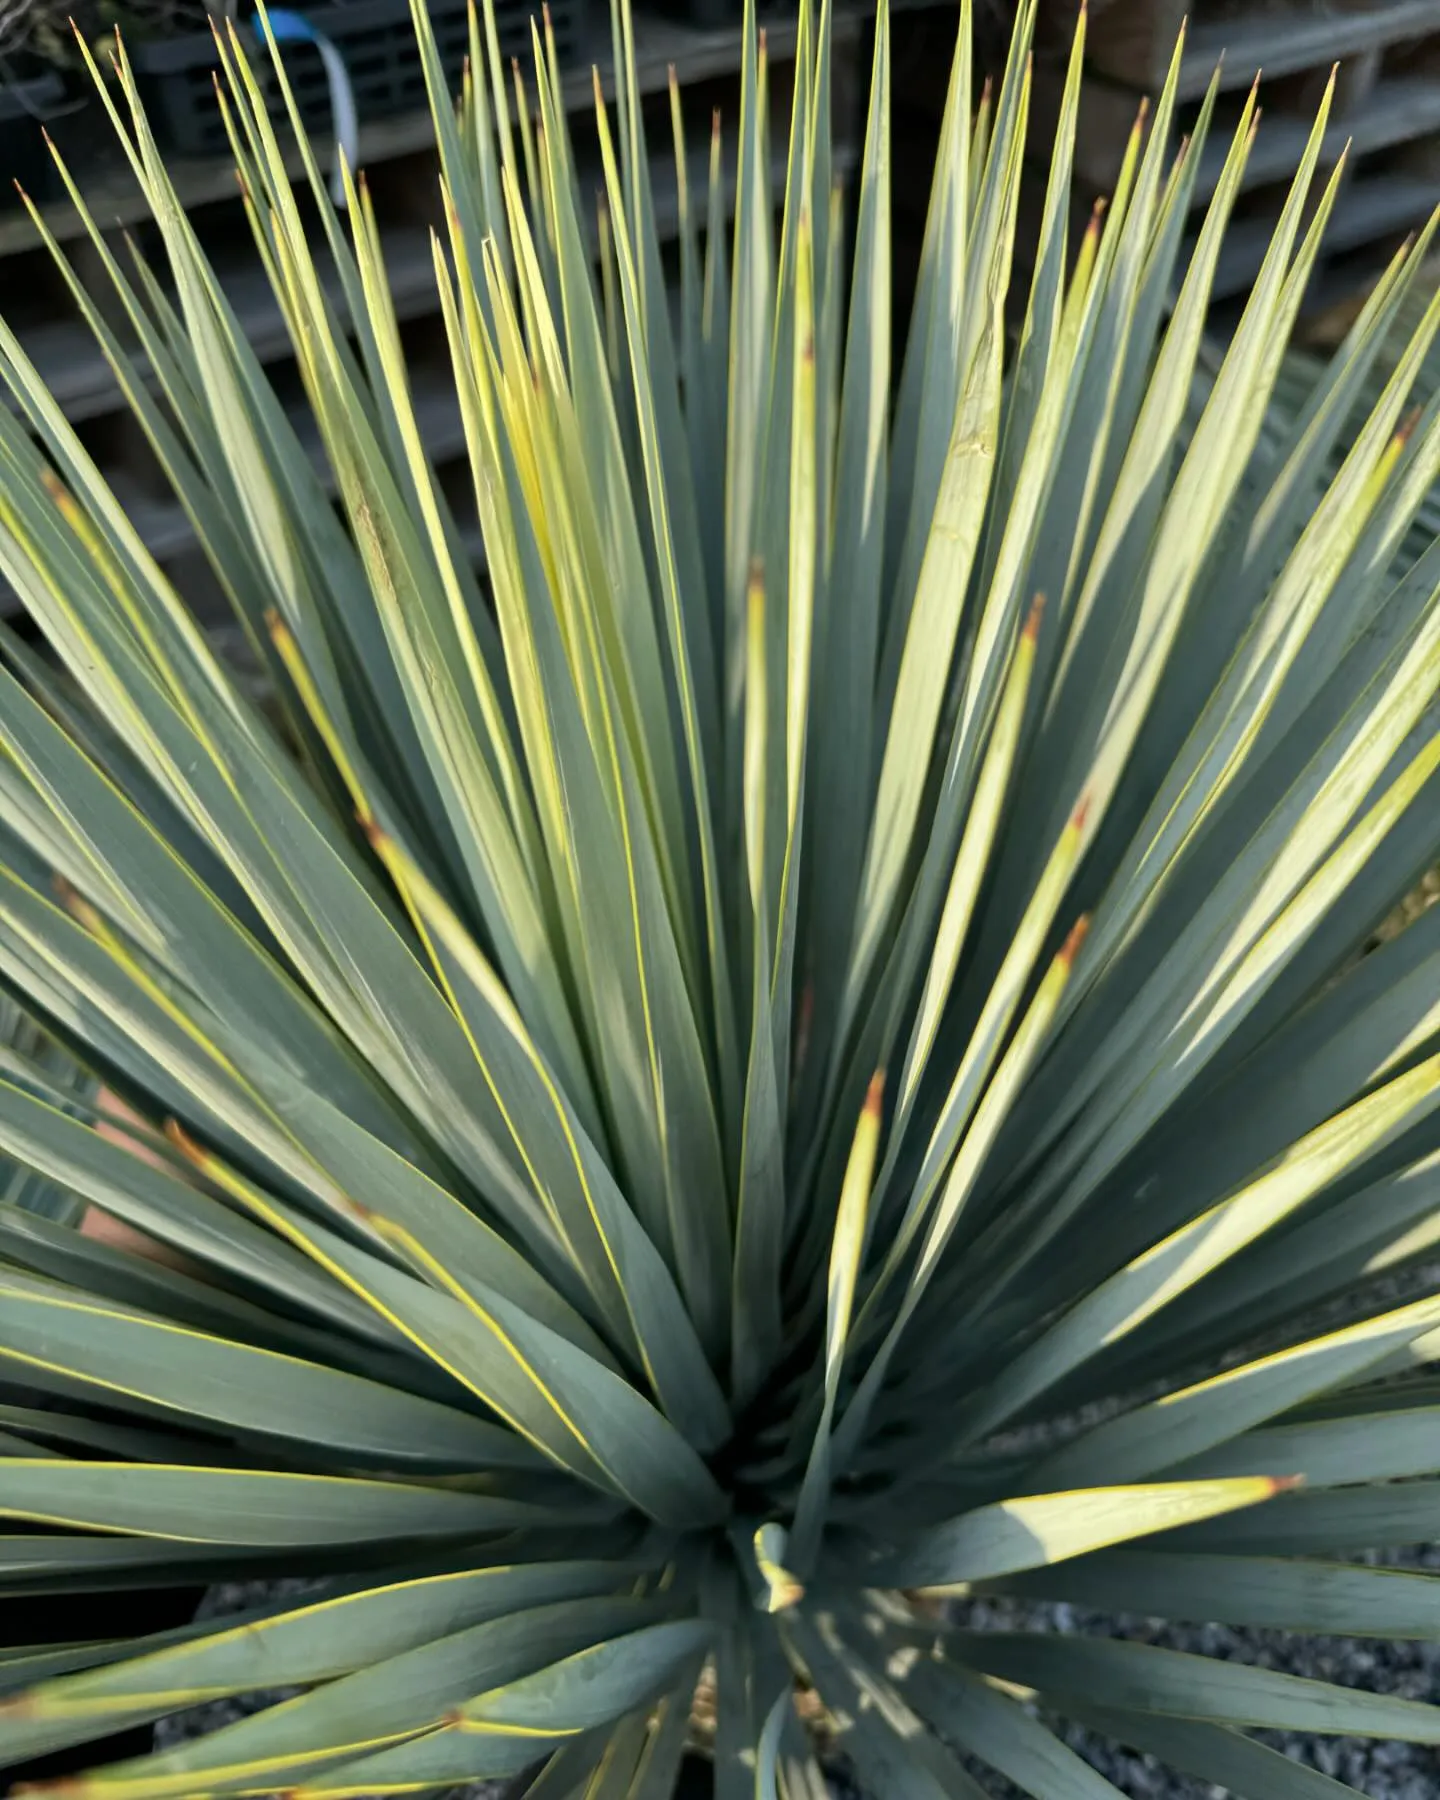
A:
[668,1185]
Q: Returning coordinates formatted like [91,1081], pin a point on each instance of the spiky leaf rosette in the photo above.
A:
[563,1289]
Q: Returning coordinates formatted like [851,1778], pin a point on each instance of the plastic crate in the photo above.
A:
[376,39]
[25,108]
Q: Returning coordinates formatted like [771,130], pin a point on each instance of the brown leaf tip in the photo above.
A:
[1032,620]
[183,1142]
[1286,1484]
[1406,428]
[281,635]
[1070,949]
[1081,815]
[875,1095]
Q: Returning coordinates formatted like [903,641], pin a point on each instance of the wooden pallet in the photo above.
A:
[1385,118]
[1131,41]
[1383,98]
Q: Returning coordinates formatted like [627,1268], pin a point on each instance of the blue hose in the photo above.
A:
[294,28]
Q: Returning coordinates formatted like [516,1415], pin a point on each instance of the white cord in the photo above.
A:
[294,28]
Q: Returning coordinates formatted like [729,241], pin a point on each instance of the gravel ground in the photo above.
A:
[1383,1770]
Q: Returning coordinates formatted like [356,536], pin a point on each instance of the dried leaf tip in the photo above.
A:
[875,1096]
[1405,430]
[188,1147]
[1032,620]
[75,903]
[1286,1484]
[1080,818]
[280,633]
[1070,949]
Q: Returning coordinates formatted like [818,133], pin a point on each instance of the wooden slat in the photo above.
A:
[1399,109]
[1371,209]
[696,54]
[75,370]
[1278,40]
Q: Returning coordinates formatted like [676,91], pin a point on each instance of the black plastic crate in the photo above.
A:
[376,39]
[27,107]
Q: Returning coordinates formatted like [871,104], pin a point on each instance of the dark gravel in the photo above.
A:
[1383,1770]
